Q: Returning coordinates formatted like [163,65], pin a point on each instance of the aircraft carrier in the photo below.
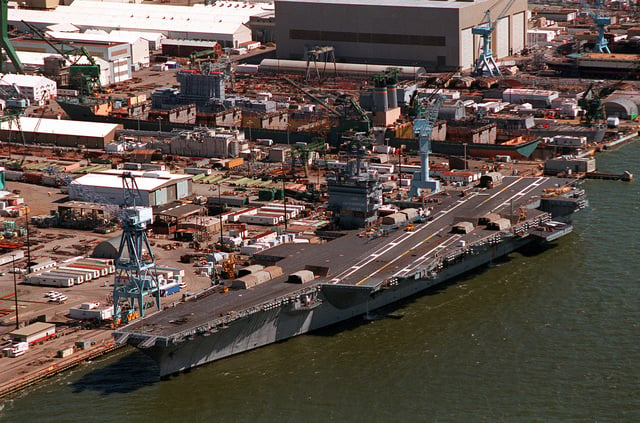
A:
[358,272]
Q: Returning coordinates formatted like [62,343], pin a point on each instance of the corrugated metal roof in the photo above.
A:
[102,36]
[60,127]
[37,59]
[394,3]
[23,80]
[113,179]
[224,17]
[32,329]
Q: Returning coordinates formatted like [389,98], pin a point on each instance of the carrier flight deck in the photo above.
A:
[355,259]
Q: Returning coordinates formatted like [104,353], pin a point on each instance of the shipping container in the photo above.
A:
[231,163]
[169,289]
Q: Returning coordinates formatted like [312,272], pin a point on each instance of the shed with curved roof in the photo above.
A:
[621,107]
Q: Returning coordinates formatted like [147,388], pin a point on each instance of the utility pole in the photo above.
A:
[220,216]
[28,245]
[15,289]
[284,201]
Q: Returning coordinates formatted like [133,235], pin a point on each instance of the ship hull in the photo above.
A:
[597,65]
[516,151]
[338,303]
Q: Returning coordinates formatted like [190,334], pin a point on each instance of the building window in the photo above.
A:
[366,37]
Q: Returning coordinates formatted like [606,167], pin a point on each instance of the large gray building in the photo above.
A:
[431,33]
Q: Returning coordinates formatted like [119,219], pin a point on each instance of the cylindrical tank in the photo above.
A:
[392,95]
[380,100]
[234,148]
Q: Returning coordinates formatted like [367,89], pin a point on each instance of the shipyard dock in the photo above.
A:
[355,273]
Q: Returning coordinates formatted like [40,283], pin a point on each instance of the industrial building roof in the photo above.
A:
[146,181]
[177,210]
[223,17]
[60,127]
[451,4]
[37,59]
[100,36]
[32,329]
[24,80]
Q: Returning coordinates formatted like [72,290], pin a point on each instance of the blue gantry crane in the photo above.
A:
[426,112]
[601,22]
[485,61]
[426,116]
[136,279]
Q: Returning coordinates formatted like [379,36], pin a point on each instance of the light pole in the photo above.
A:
[465,156]
[284,202]
[28,243]
[160,124]
[220,216]
[15,289]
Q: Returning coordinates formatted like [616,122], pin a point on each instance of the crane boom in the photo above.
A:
[313,97]
[4,39]
[84,77]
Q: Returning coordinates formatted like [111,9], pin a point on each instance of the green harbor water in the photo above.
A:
[550,337]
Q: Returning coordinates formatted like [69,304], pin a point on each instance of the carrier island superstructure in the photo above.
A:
[357,272]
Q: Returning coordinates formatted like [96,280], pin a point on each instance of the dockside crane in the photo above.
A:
[84,77]
[485,30]
[591,102]
[426,116]
[601,22]
[136,278]
[303,152]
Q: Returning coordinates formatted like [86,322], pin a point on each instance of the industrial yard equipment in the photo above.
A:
[5,44]
[302,152]
[426,115]
[136,278]
[83,77]
[591,102]
[485,61]
[601,22]
[326,54]
[229,267]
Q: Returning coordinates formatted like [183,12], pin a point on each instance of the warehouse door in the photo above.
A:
[466,49]
[501,35]
[518,32]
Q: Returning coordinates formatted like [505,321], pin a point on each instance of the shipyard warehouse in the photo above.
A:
[154,188]
[61,133]
[434,34]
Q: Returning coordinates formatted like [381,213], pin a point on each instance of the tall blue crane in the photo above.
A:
[136,278]
[426,117]
[601,22]
[485,30]
[426,112]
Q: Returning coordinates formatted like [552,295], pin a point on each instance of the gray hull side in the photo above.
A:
[266,327]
